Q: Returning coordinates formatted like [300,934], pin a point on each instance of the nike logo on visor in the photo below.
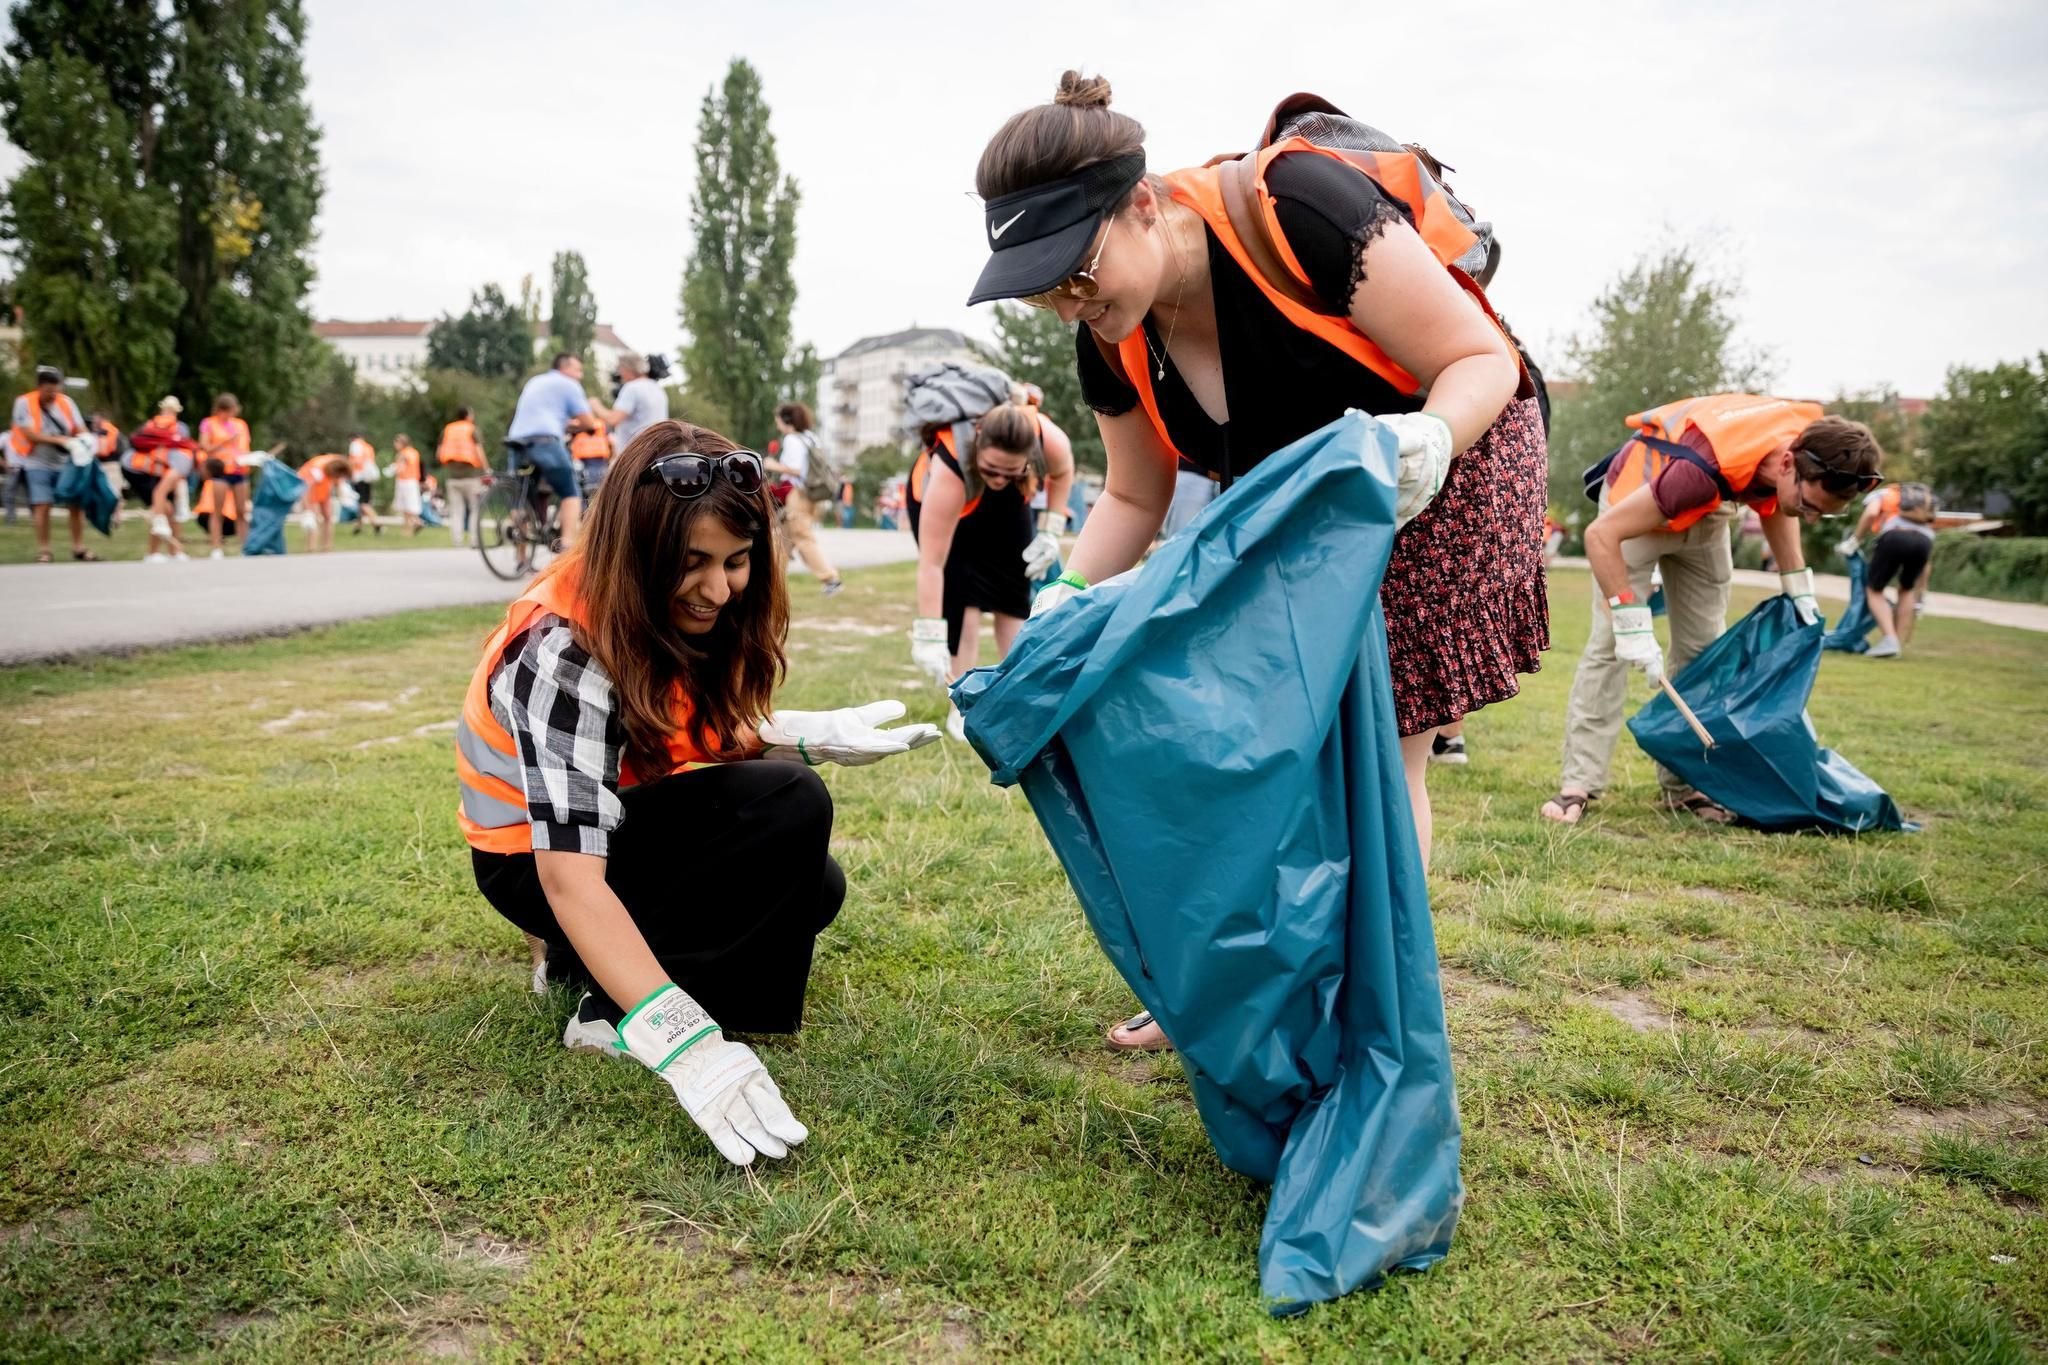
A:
[996,234]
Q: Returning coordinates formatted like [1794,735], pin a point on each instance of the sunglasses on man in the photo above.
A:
[687,475]
[1836,481]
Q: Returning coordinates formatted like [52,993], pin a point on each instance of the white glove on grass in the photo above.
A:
[850,736]
[721,1085]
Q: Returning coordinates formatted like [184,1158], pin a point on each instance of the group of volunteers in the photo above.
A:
[624,708]
[173,475]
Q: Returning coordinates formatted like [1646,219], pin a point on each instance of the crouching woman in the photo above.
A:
[630,800]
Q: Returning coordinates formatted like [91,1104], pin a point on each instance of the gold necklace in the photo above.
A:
[1158,359]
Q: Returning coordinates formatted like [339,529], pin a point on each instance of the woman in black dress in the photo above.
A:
[1234,372]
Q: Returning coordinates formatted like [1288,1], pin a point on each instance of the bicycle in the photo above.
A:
[518,521]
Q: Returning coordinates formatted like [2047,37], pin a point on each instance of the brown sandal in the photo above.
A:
[85,556]
[1571,807]
[1142,1019]
[1700,806]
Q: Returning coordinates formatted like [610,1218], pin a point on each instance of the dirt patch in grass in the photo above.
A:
[224,1325]
[1633,1010]
[1999,1119]
[183,1154]
[488,1251]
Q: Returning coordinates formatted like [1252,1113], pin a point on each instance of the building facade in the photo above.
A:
[860,392]
[394,351]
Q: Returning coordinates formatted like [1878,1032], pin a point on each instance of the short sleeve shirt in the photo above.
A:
[642,403]
[546,404]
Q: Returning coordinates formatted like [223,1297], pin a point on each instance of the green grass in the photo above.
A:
[130,538]
[275,1090]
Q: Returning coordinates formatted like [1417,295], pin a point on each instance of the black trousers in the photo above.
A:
[726,872]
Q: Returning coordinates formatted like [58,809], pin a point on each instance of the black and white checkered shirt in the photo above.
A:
[555,700]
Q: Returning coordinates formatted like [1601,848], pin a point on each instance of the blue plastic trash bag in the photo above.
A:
[85,487]
[278,490]
[1209,744]
[1749,688]
[429,516]
[1852,635]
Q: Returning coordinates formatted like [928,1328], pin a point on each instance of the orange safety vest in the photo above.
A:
[1742,428]
[1399,174]
[591,445]
[487,766]
[362,461]
[1888,503]
[317,472]
[214,495]
[459,445]
[66,409]
[407,465]
[110,439]
[158,460]
[233,431]
[920,471]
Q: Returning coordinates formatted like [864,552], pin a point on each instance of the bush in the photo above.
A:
[2014,569]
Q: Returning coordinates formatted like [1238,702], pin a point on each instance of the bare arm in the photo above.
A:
[1059,467]
[1429,326]
[1781,533]
[1635,515]
[1135,496]
[944,497]
[598,927]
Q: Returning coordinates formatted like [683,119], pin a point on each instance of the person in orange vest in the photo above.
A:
[1203,342]
[631,799]
[46,422]
[1903,518]
[224,437]
[362,474]
[323,474]
[405,482]
[1671,492]
[160,456]
[462,461]
[592,449]
[112,445]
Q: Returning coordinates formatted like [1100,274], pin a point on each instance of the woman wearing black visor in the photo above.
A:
[1189,348]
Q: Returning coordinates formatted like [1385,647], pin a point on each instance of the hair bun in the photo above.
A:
[1082,92]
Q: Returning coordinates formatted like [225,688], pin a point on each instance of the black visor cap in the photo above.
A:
[1037,237]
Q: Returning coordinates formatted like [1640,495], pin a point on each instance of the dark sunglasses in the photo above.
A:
[686,475]
[1835,480]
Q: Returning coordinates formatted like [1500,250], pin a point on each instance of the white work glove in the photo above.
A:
[1798,586]
[849,736]
[722,1086]
[1849,545]
[1053,594]
[1635,642]
[390,471]
[1040,555]
[1425,461]
[928,652]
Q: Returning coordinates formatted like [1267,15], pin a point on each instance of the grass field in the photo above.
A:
[275,1088]
[131,538]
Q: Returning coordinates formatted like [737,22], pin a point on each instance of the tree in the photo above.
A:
[1663,330]
[165,208]
[493,339]
[1034,347]
[738,289]
[1987,435]
[572,320]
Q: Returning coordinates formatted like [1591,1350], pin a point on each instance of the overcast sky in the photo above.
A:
[1874,172]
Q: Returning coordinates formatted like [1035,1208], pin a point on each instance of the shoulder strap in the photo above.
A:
[1234,185]
[1677,450]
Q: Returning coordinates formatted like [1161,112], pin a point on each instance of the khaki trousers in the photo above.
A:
[1698,564]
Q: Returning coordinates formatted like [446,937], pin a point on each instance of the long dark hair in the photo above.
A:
[628,566]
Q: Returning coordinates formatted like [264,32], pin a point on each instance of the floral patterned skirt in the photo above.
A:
[1464,593]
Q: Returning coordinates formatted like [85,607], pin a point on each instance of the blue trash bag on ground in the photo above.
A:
[1209,744]
[1749,688]
[429,516]
[278,490]
[85,487]
[1852,634]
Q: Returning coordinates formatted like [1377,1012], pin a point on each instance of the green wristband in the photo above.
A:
[1073,580]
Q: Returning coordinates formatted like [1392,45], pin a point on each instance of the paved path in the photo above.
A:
[2018,615]
[56,611]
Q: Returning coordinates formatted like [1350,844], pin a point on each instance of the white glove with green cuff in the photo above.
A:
[1068,584]
[1635,641]
[721,1085]
[928,652]
[1798,586]
[849,736]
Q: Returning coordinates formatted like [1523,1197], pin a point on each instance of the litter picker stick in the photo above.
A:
[1686,711]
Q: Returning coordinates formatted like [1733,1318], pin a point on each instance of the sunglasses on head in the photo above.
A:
[687,475]
[1080,285]
[1835,480]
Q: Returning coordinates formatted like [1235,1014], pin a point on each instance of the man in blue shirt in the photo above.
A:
[551,406]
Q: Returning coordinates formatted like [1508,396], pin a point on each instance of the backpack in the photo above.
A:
[821,476]
[950,394]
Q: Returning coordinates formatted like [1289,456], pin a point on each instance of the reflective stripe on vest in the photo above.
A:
[1399,174]
[1741,428]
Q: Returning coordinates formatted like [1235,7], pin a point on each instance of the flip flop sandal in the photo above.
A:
[1701,807]
[85,556]
[1573,804]
[1142,1019]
